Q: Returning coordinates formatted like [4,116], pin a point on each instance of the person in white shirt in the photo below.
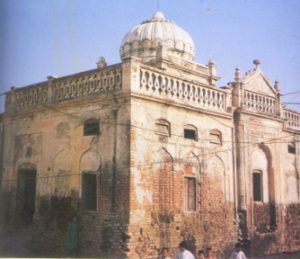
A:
[238,253]
[183,253]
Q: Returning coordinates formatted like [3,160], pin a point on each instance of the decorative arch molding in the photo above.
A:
[162,154]
[63,160]
[193,164]
[90,161]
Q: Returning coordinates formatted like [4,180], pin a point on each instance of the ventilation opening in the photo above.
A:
[291,148]
[190,134]
[162,128]
[91,128]
[215,137]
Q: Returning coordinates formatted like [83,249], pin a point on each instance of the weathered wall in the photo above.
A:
[159,167]
[51,141]
[265,149]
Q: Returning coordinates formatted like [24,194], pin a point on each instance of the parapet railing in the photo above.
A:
[58,90]
[292,119]
[190,93]
[261,103]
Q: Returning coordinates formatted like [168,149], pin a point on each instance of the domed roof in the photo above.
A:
[144,38]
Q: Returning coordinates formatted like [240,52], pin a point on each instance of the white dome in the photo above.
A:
[143,40]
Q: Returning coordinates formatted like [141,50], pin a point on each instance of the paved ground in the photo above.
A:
[14,243]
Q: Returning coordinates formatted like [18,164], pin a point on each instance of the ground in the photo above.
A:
[14,243]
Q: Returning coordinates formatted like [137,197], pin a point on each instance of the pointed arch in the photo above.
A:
[193,163]
[90,161]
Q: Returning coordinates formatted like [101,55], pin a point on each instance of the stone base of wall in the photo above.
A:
[286,236]
[219,233]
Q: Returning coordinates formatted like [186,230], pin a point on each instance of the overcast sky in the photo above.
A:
[60,37]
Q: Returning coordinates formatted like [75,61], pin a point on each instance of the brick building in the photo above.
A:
[150,152]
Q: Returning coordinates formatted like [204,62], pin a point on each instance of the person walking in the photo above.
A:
[183,253]
[238,253]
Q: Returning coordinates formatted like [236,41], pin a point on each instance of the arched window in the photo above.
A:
[91,127]
[190,132]
[162,127]
[215,137]
[291,148]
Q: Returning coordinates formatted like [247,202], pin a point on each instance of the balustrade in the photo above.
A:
[58,90]
[191,93]
[292,119]
[261,103]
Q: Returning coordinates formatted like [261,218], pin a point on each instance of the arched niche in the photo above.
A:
[216,175]
[90,161]
[291,185]
[62,173]
[163,181]
[62,130]
[262,161]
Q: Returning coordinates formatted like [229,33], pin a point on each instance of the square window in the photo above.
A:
[91,128]
[190,134]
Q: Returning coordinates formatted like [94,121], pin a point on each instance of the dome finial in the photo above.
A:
[158,16]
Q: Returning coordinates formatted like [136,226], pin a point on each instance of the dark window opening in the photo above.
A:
[190,194]
[28,152]
[257,186]
[91,127]
[190,134]
[89,191]
[291,148]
